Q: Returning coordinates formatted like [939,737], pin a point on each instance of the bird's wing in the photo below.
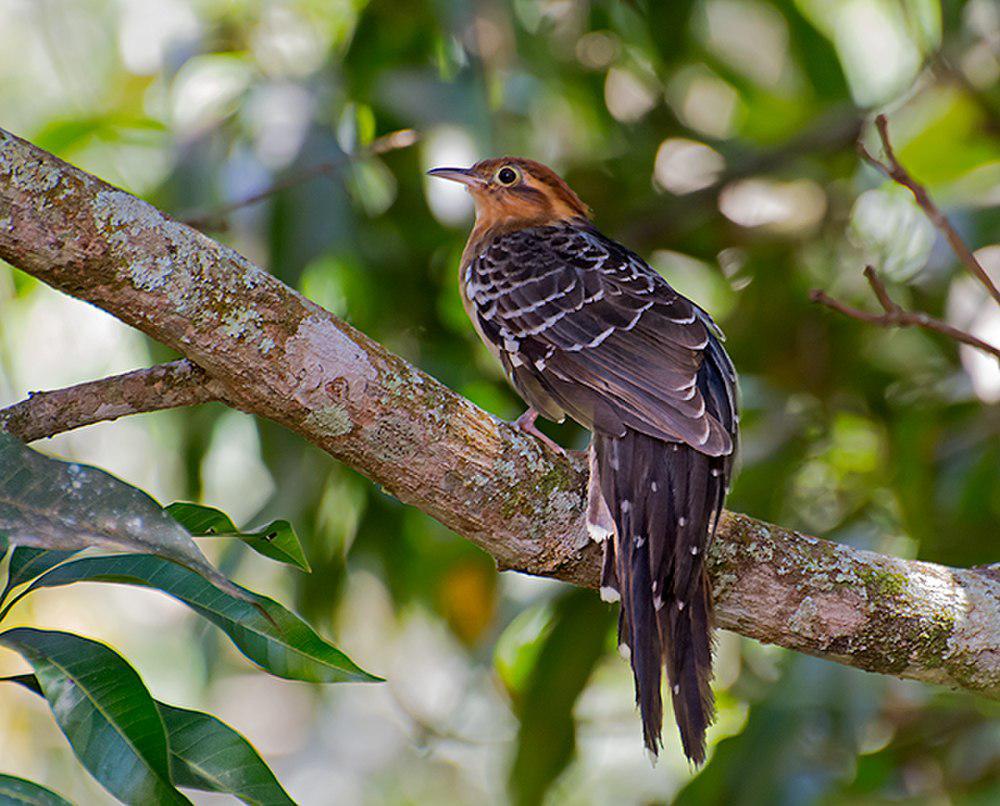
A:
[604,335]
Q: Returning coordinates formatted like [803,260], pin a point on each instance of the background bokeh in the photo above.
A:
[717,139]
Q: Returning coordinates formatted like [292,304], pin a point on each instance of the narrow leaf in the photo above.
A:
[49,504]
[104,710]
[209,755]
[206,754]
[26,564]
[263,630]
[20,792]
[277,540]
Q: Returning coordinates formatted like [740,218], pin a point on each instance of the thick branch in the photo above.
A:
[278,355]
[167,386]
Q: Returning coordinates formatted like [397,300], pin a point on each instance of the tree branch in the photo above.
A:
[278,355]
[167,386]
[895,316]
[896,172]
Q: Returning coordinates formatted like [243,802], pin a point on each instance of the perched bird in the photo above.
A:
[585,327]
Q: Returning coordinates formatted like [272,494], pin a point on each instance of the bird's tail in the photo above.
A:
[664,500]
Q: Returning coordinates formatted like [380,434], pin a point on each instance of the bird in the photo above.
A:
[584,327]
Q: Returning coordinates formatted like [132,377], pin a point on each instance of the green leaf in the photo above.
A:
[26,564]
[205,754]
[48,504]
[19,792]
[104,710]
[209,755]
[280,642]
[276,541]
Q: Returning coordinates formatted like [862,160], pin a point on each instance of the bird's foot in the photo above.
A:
[526,422]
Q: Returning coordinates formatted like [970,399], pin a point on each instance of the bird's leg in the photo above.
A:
[526,422]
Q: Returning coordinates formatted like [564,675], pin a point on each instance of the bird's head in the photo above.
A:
[516,192]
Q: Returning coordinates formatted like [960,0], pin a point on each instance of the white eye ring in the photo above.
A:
[508,175]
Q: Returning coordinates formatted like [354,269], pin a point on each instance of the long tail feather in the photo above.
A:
[664,501]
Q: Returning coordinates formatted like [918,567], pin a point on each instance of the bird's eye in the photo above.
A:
[507,175]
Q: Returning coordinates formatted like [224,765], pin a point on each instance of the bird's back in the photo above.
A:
[605,335]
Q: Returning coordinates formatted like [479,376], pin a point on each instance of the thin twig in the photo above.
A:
[215,219]
[166,386]
[880,292]
[895,316]
[893,170]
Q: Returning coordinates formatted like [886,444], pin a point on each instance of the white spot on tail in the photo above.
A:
[597,532]
[677,688]
[625,651]
[657,602]
[680,605]
[716,471]
[639,541]
[654,486]
[682,521]
[626,505]
[694,549]
[609,594]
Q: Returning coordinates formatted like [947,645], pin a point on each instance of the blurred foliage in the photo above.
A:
[716,137]
[572,647]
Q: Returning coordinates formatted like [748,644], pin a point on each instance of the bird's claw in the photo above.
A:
[526,423]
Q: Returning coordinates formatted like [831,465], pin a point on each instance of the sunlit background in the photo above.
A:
[716,138]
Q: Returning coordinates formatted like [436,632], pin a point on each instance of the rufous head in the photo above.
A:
[516,192]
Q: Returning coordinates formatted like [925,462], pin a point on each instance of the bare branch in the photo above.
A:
[880,291]
[167,386]
[895,316]
[278,355]
[215,219]
[893,170]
